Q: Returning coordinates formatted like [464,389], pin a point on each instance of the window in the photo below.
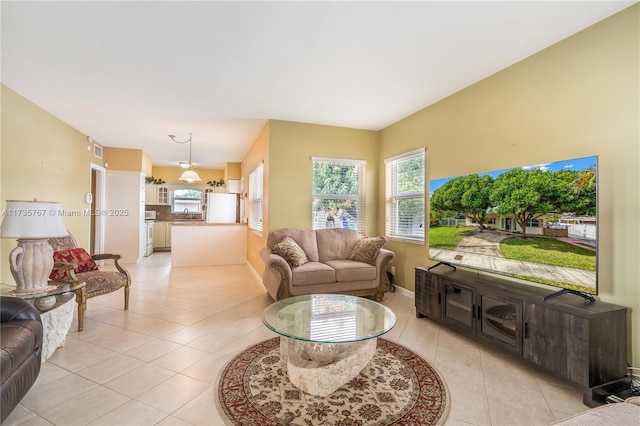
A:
[405,204]
[338,193]
[186,201]
[255,199]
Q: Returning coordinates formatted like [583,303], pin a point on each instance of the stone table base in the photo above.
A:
[322,368]
[56,324]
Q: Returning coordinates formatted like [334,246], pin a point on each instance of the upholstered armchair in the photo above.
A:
[75,264]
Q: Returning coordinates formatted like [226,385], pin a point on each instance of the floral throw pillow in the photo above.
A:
[366,250]
[291,252]
[77,256]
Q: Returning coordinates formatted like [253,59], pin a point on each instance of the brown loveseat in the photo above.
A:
[325,261]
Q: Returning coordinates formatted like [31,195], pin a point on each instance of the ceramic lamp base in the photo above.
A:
[31,263]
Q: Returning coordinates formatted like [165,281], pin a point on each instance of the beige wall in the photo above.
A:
[258,153]
[43,158]
[577,98]
[291,147]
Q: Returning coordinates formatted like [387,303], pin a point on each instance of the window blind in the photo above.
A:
[404,196]
[256,189]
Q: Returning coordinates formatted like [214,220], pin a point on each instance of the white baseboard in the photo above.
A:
[403,291]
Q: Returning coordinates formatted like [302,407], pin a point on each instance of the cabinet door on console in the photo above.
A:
[500,321]
[589,349]
[557,341]
[427,294]
[458,305]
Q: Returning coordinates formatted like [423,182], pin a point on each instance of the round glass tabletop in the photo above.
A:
[329,318]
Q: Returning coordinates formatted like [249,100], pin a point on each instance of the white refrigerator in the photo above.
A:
[221,208]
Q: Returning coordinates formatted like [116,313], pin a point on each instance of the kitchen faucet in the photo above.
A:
[186,213]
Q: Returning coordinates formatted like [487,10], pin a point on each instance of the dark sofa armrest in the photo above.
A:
[13,308]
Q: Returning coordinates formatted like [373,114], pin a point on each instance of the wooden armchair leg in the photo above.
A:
[81,299]
[126,297]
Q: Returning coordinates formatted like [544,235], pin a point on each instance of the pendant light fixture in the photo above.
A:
[189,175]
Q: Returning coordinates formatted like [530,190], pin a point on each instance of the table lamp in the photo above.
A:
[32,223]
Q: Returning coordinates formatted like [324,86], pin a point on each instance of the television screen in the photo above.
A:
[535,223]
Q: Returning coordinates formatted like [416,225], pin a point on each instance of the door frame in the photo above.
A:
[100,203]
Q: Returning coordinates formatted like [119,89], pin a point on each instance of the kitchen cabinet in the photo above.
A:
[157,194]
[149,193]
[162,236]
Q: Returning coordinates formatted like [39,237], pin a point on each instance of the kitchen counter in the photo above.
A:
[207,244]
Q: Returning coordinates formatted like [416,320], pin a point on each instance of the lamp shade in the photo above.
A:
[190,176]
[33,220]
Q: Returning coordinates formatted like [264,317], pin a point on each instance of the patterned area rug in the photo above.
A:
[397,387]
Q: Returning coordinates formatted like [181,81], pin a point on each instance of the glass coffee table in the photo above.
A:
[56,294]
[327,339]
[55,305]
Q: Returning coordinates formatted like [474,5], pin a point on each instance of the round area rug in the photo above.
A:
[397,387]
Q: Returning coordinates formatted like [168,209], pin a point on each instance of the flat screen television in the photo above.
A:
[534,223]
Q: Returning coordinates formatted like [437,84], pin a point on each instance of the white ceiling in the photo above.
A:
[130,73]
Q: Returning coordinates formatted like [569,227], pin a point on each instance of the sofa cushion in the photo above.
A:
[337,243]
[78,256]
[291,252]
[350,270]
[19,341]
[367,249]
[313,273]
[305,238]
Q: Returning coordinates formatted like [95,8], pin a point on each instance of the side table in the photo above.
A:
[55,306]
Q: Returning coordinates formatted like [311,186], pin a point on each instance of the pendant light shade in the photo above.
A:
[189,175]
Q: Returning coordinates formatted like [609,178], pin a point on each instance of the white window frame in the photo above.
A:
[196,203]
[359,197]
[256,193]
[393,197]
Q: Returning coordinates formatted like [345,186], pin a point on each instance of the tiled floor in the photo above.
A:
[159,362]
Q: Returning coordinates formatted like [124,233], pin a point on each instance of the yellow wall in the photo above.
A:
[577,98]
[291,147]
[125,159]
[171,174]
[232,171]
[258,153]
[43,158]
